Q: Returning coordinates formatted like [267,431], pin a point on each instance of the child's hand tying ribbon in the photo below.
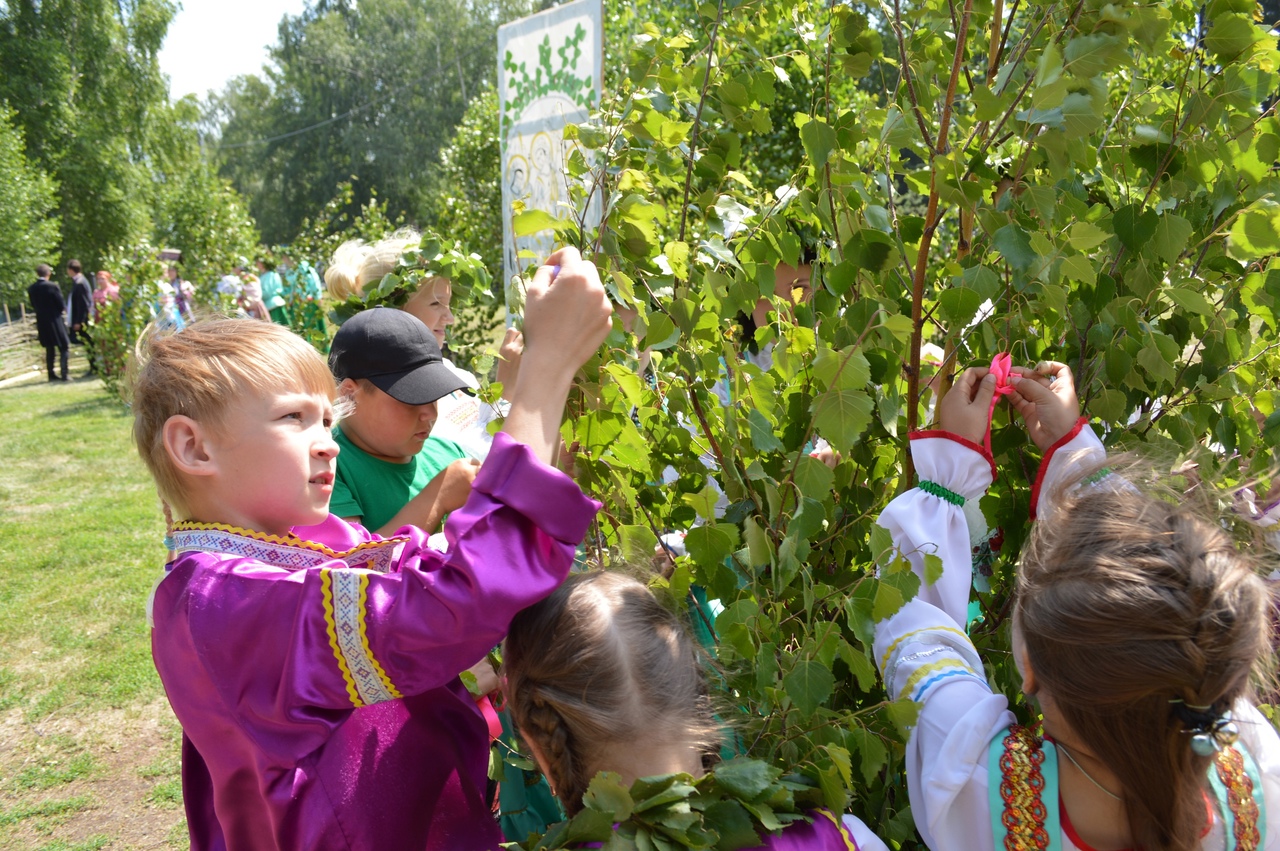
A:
[966,410]
[1046,400]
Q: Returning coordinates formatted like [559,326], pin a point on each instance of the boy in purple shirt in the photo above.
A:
[316,678]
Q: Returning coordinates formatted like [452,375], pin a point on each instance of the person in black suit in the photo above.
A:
[46,300]
[81,304]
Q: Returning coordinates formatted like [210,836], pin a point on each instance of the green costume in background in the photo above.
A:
[272,296]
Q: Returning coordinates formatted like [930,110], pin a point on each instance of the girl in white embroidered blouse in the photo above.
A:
[1138,630]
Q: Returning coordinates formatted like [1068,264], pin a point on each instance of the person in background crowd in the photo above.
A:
[184,292]
[46,300]
[80,303]
[302,292]
[250,296]
[105,290]
[272,291]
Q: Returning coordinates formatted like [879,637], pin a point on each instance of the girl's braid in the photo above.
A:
[539,720]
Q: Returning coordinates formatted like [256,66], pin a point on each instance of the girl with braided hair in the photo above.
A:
[600,676]
[1138,629]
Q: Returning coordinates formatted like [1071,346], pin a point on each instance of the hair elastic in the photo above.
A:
[1210,729]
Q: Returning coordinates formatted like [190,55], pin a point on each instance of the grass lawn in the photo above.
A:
[88,745]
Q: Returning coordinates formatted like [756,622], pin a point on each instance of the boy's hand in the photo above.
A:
[964,410]
[565,318]
[455,484]
[1045,398]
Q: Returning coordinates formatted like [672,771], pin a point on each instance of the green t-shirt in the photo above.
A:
[373,489]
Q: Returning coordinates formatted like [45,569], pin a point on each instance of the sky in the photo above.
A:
[211,41]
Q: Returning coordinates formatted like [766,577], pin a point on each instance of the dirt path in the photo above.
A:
[74,782]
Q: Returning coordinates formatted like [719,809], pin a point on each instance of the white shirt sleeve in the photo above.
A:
[925,655]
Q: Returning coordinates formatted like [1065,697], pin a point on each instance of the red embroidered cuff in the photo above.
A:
[963,441]
[1048,456]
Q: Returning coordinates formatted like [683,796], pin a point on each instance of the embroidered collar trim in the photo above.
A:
[289,551]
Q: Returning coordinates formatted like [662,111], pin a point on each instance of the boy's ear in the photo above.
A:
[186,441]
[347,387]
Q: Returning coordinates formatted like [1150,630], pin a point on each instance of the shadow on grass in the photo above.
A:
[104,404]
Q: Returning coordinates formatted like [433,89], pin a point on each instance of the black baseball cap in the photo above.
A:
[397,354]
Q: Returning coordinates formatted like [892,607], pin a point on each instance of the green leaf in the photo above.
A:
[677,254]
[904,713]
[531,222]
[847,368]
[814,478]
[888,601]
[589,826]
[711,545]
[819,139]
[932,568]
[870,249]
[746,778]
[840,757]
[1134,226]
[1150,359]
[1085,235]
[808,684]
[1231,35]
[1014,245]
[606,794]
[1089,55]
[759,549]
[1108,405]
[859,665]
[1189,300]
[1171,237]
[762,436]
[1079,116]
[733,823]
[959,304]
[638,544]
[1078,267]
[662,333]
[672,133]
[872,753]
[1256,232]
[841,416]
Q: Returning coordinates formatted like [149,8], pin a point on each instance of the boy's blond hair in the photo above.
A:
[200,372]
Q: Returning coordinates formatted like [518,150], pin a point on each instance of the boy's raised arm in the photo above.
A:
[567,316]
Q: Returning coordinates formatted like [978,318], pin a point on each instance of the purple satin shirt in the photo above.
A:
[316,677]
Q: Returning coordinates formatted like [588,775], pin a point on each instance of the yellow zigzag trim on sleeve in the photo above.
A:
[330,625]
[364,638]
[290,540]
[849,844]
[884,660]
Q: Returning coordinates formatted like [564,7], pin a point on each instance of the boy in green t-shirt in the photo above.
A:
[391,472]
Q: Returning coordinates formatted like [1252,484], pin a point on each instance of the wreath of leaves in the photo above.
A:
[432,258]
[728,808]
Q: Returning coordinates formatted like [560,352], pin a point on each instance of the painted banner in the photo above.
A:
[550,73]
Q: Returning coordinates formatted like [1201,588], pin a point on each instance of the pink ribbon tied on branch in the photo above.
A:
[1002,369]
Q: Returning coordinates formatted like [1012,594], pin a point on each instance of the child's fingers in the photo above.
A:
[541,281]
[567,256]
[1024,372]
[1055,371]
[985,390]
[1032,391]
[968,381]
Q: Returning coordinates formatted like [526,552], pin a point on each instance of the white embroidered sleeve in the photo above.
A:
[925,655]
